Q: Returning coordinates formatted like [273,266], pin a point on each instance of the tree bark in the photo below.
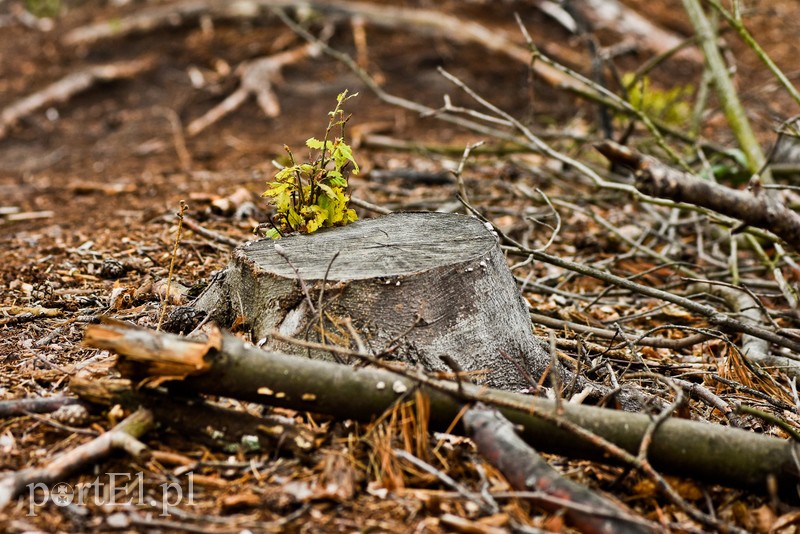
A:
[420,285]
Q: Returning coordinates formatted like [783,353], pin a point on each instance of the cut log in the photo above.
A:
[431,285]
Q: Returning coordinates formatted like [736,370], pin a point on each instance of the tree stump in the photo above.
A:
[431,284]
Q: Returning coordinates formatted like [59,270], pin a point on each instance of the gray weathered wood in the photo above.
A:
[434,284]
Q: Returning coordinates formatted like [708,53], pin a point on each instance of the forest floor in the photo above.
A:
[90,187]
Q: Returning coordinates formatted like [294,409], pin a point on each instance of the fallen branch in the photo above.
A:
[526,470]
[612,14]
[18,314]
[123,436]
[202,231]
[67,87]
[605,333]
[421,21]
[224,365]
[713,316]
[757,208]
[39,405]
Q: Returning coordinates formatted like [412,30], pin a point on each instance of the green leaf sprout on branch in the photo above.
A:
[310,196]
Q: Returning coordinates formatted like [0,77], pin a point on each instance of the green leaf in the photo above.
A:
[335,178]
[342,154]
[283,202]
[295,219]
[319,216]
[275,189]
[314,143]
[349,216]
[308,196]
[285,173]
[328,190]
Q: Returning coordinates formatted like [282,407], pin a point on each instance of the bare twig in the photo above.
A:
[121,436]
[35,405]
[195,227]
[658,342]
[712,315]
[735,20]
[487,506]
[361,203]
[178,235]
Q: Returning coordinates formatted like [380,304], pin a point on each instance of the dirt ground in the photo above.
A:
[94,183]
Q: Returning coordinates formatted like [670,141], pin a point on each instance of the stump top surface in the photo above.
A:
[393,245]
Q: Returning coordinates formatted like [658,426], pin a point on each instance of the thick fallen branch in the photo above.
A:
[525,470]
[226,366]
[67,87]
[123,436]
[612,14]
[758,209]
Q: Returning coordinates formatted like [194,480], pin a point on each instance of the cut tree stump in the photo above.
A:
[431,284]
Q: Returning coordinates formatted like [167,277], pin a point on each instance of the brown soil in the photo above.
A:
[103,169]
